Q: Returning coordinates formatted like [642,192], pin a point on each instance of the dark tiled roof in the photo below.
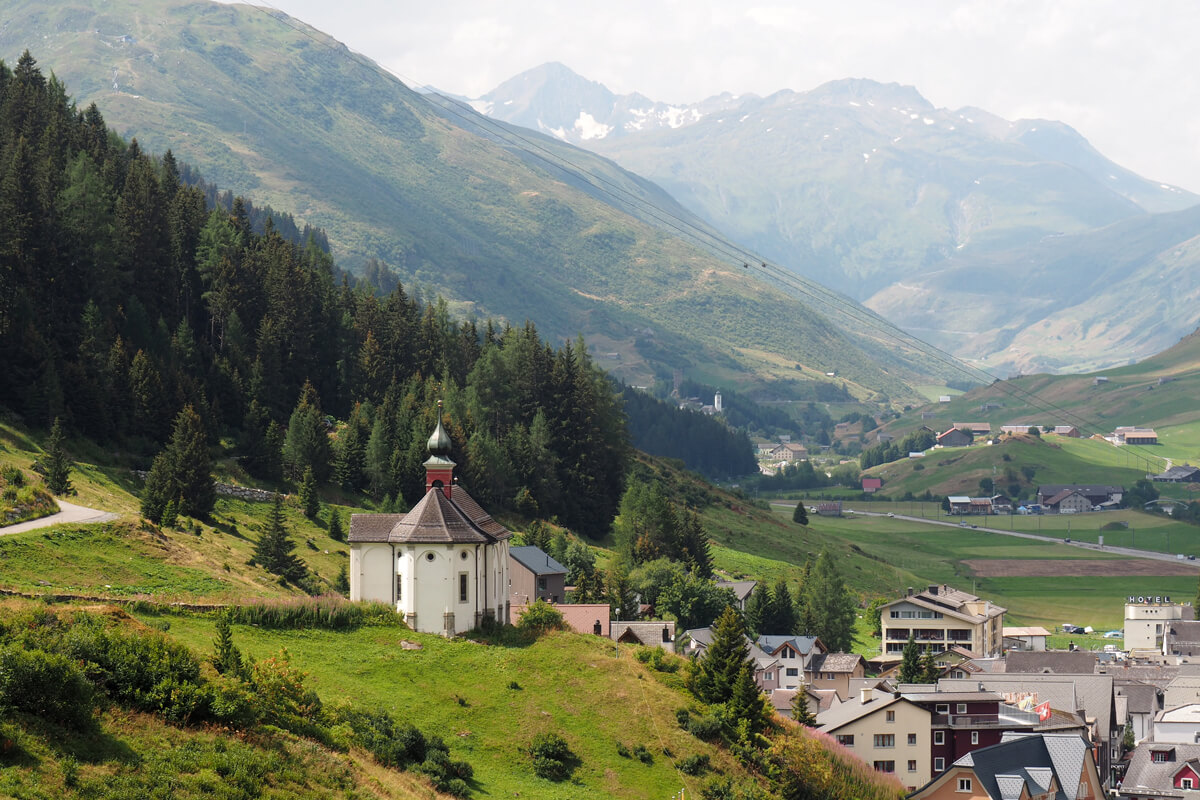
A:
[741,589]
[1056,661]
[536,561]
[372,527]
[1029,760]
[1144,774]
[802,644]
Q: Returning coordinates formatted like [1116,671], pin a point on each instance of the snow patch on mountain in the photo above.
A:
[589,128]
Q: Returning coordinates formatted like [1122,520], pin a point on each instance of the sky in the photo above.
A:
[1124,74]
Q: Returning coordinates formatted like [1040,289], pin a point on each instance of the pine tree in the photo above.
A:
[800,515]
[227,660]
[758,611]
[724,659]
[929,668]
[58,464]
[159,490]
[910,662]
[619,592]
[781,612]
[191,466]
[747,701]
[341,583]
[336,531]
[831,605]
[310,501]
[801,712]
[274,548]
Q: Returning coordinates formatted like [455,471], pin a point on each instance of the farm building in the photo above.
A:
[955,437]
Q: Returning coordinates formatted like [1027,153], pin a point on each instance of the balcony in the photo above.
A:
[1009,719]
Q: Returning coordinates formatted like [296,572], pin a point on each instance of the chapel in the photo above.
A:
[444,564]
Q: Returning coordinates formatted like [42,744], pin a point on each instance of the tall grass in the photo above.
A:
[327,612]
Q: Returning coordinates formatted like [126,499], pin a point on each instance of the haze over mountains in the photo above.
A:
[1012,242]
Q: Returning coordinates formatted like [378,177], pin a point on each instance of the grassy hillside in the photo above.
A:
[272,109]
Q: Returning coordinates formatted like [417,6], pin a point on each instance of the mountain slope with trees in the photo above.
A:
[261,103]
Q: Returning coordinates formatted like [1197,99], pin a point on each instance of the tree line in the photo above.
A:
[125,300]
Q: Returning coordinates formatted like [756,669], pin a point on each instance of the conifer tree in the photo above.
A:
[58,463]
[274,548]
[227,660]
[801,712]
[310,501]
[718,672]
[191,466]
[621,598]
[831,605]
[780,619]
[336,531]
[341,583]
[929,668]
[800,515]
[910,662]
[747,703]
[758,611]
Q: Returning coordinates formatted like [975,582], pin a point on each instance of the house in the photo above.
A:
[1059,662]
[1181,690]
[885,730]
[1097,494]
[975,428]
[1088,695]
[959,504]
[787,451]
[534,575]
[651,633]
[871,485]
[1143,701]
[444,564]
[793,654]
[963,721]
[1181,473]
[1001,504]
[766,666]
[1127,434]
[741,590]
[1163,772]
[940,618]
[1067,430]
[955,437]
[834,671]
[1181,638]
[980,505]
[1025,639]
[590,618]
[1022,766]
[1068,501]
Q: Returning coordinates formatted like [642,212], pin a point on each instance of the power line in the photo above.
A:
[825,300]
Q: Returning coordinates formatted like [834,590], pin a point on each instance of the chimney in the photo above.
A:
[866,694]
[910,591]
[933,589]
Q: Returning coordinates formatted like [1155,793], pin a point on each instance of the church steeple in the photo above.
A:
[439,469]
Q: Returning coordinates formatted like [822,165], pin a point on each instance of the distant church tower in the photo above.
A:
[717,403]
[444,564]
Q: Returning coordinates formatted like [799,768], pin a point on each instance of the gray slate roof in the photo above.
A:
[1144,774]
[536,560]
[435,519]
[741,589]
[1092,694]
[802,644]
[1056,661]
[1024,759]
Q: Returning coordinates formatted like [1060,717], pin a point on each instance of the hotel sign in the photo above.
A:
[1148,599]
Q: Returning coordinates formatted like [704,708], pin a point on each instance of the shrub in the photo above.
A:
[552,758]
[392,743]
[623,751]
[707,727]
[46,685]
[330,612]
[694,765]
[12,476]
[540,617]
[682,717]
[643,755]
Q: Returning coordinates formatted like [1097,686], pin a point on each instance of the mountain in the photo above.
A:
[870,189]
[267,106]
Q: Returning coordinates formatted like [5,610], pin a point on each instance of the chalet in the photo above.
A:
[1067,430]
[1163,772]
[1068,501]
[741,590]
[955,437]
[1181,473]
[444,564]
[534,575]
[835,671]
[871,485]
[1098,495]
[959,504]
[794,655]
[1058,766]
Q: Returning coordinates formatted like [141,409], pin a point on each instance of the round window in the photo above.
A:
[430,556]
[463,555]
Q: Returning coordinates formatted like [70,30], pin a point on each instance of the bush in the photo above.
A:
[683,717]
[708,727]
[540,617]
[643,755]
[47,685]
[694,765]
[329,612]
[623,751]
[552,758]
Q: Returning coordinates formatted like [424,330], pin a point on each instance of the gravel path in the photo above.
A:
[69,513]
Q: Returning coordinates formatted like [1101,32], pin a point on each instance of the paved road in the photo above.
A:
[69,513]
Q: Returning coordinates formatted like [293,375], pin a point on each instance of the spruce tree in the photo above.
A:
[758,611]
[227,660]
[930,672]
[801,711]
[781,612]
[831,605]
[747,701]
[274,548]
[724,659]
[191,466]
[58,463]
[341,583]
[336,531]
[310,501]
[159,490]
[910,662]
[800,515]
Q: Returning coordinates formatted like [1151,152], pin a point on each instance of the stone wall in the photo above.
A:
[232,490]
